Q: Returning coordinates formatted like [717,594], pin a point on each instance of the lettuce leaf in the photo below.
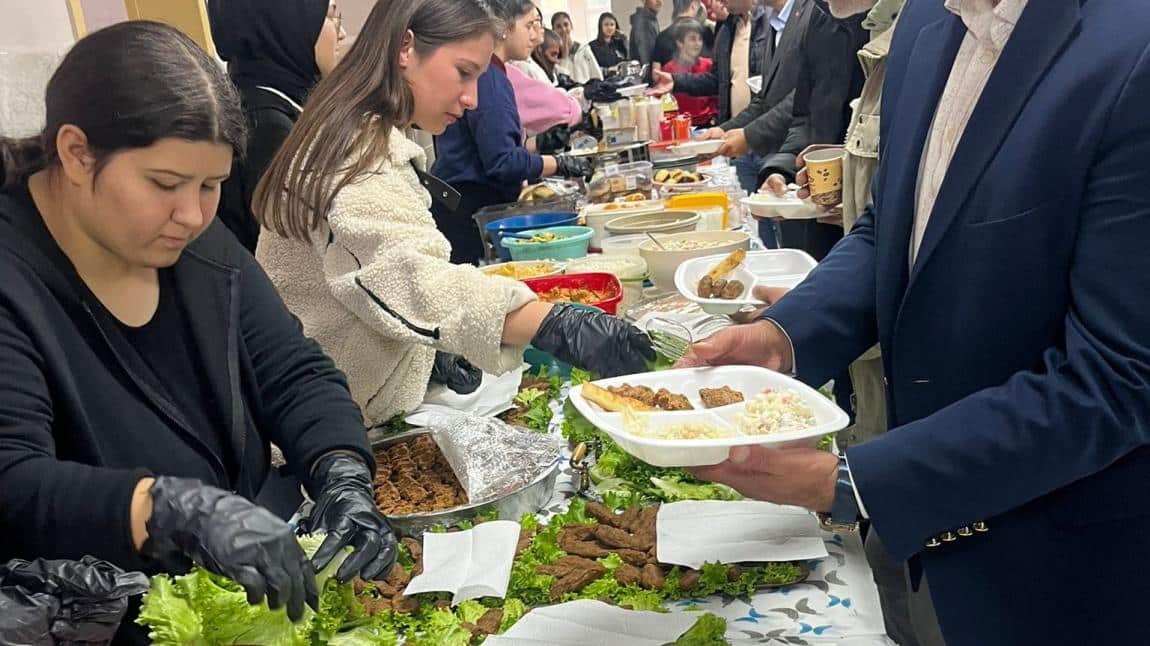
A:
[171,621]
[441,628]
[709,630]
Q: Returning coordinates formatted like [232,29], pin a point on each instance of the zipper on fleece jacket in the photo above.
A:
[421,331]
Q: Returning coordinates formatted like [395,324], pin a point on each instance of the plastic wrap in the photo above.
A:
[490,457]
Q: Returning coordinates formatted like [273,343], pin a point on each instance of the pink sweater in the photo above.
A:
[541,105]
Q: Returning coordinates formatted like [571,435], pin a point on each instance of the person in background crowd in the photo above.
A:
[859,167]
[644,30]
[276,51]
[829,78]
[483,154]
[548,54]
[665,44]
[739,48]
[576,61]
[768,117]
[610,45]
[542,106]
[1002,267]
[350,242]
[530,66]
[688,60]
[148,362]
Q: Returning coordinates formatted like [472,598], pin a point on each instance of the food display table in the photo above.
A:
[837,604]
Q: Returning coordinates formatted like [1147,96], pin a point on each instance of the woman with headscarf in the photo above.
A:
[276,51]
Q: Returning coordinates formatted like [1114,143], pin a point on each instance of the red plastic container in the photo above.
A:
[600,282]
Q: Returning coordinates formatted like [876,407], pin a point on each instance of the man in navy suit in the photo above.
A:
[1004,269]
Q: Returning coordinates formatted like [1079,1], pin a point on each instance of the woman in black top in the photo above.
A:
[610,46]
[276,51]
[146,359]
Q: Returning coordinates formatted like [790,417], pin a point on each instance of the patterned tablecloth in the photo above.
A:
[837,604]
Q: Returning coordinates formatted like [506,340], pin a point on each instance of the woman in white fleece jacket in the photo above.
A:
[352,246]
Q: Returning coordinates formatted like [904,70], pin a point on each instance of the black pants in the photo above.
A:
[809,236]
[458,226]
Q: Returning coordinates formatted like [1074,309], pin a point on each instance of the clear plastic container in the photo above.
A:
[630,270]
[627,181]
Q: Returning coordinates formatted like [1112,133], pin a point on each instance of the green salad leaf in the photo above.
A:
[709,630]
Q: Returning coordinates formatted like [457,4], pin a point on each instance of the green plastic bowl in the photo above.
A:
[573,244]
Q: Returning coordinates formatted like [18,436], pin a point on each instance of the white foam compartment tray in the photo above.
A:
[749,380]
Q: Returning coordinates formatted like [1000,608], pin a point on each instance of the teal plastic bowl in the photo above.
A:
[539,359]
[573,244]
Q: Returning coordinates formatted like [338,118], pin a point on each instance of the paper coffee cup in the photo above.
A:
[825,176]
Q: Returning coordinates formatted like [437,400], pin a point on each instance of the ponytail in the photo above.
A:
[19,158]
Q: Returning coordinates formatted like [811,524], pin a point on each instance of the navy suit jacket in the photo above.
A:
[1017,349]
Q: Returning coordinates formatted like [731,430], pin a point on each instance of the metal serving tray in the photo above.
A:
[527,500]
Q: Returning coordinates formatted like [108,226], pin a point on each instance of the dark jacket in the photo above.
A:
[270,120]
[718,80]
[82,417]
[829,79]
[611,53]
[766,121]
[1016,347]
[644,31]
[486,146]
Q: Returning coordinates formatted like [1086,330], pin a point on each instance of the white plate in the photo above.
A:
[790,207]
[632,90]
[770,268]
[709,147]
[749,380]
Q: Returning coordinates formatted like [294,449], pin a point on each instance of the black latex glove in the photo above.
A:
[594,341]
[345,509]
[553,140]
[230,535]
[597,91]
[52,602]
[591,124]
[456,373]
[565,82]
[574,167]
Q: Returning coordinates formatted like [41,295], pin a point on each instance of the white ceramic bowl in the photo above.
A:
[664,264]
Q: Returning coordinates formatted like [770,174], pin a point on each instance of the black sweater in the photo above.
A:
[82,419]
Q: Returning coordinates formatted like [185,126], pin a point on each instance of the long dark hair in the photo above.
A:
[128,86]
[549,38]
[343,132]
[618,37]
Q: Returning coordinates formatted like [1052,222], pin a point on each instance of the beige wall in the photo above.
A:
[34,34]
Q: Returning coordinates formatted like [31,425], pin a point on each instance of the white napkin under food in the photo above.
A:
[494,395]
[469,564]
[692,533]
[577,623]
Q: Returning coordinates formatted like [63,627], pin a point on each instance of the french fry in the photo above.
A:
[727,265]
[611,402]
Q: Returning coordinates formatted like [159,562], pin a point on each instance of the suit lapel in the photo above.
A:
[788,43]
[1039,36]
[912,105]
